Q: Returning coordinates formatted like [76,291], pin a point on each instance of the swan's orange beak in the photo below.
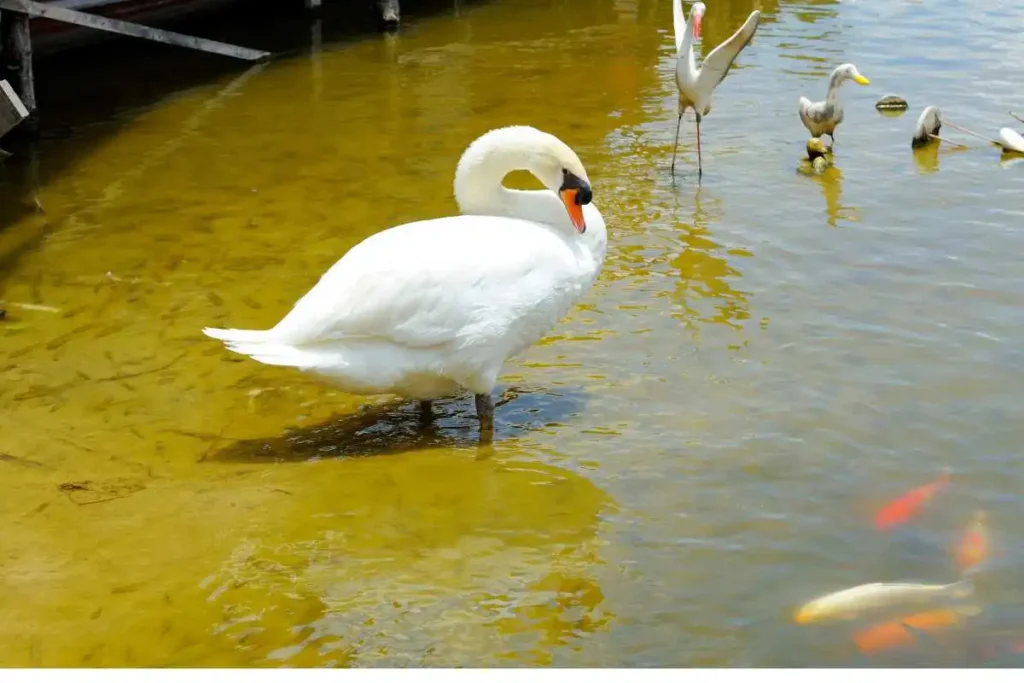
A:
[575,210]
[696,26]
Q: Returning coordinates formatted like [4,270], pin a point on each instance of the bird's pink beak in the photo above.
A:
[696,26]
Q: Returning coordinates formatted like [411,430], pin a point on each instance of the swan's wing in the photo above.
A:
[717,64]
[678,22]
[432,282]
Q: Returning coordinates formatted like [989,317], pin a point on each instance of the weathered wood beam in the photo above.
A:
[82,4]
[12,110]
[126,28]
[17,58]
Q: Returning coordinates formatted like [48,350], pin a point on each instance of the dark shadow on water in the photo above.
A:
[85,95]
[397,427]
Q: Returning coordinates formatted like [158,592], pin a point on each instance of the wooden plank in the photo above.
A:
[82,4]
[17,51]
[126,28]
[12,109]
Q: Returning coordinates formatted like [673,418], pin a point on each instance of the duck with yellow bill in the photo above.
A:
[822,117]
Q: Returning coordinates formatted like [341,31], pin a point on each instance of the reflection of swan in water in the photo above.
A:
[429,308]
[432,560]
[705,274]
[392,428]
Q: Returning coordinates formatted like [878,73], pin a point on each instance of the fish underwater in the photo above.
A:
[973,546]
[849,603]
[906,506]
[899,632]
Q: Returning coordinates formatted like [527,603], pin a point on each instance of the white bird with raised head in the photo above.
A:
[697,84]
[429,308]
[821,118]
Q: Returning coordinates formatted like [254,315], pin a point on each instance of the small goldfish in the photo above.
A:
[895,633]
[848,603]
[973,547]
[906,506]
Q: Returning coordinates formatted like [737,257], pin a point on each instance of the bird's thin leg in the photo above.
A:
[426,411]
[485,413]
[675,144]
[700,165]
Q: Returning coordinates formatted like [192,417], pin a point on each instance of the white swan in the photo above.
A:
[695,84]
[427,308]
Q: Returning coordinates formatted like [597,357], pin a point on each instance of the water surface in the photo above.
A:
[696,450]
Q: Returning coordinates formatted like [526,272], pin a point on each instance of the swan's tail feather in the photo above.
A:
[279,354]
[232,336]
[256,345]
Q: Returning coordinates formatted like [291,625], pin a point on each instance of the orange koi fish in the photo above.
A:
[894,633]
[973,547]
[907,505]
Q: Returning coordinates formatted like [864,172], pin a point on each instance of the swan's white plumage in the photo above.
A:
[427,307]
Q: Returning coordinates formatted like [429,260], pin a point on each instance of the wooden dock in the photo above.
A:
[20,19]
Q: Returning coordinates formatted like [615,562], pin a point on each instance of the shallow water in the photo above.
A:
[698,449]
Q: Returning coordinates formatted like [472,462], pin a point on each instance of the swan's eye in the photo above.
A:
[570,181]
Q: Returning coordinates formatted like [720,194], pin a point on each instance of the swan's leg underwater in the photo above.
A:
[485,412]
[675,144]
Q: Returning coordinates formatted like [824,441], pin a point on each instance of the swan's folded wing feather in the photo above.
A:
[716,65]
[431,283]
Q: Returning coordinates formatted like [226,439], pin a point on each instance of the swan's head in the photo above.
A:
[556,166]
[498,152]
[575,193]
[849,72]
[697,13]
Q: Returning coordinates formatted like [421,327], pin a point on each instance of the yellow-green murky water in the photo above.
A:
[698,449]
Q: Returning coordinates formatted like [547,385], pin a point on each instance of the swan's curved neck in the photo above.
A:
[481,170]
[478,179]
